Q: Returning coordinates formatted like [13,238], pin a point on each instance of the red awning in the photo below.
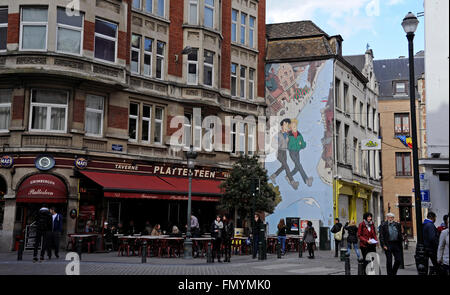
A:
[121,185]
[42,188]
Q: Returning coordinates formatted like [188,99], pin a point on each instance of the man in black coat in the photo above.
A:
[228,234]
[57,228]
[335,229]
[431,240]
[43,231]
[256,234]
[391,241]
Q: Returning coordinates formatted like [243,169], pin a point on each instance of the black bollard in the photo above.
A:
[20,250]
[347,264]
[209,254]
[144,251]
[260,255]
[278,250]
[361,265]
[80,244]
[300,249]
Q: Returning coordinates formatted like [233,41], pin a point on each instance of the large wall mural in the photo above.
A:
[301,95]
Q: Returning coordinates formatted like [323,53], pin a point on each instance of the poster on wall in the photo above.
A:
[293,225]
[300,96]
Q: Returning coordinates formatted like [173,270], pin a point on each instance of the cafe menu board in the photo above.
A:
[293,225]
[30,237]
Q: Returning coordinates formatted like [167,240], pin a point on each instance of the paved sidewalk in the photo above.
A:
[111,264]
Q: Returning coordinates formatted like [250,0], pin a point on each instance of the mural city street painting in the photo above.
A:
[300,94]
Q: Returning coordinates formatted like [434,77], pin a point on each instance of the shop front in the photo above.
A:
[351,200]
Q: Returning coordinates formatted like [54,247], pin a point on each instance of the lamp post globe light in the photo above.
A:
[409,24]
[191,155]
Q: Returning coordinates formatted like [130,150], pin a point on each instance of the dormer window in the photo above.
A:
[400,87]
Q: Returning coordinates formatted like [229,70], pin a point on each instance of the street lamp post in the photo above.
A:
[191,155]
[409,24]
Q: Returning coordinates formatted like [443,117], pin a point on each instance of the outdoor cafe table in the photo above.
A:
[81,237]
[203,241]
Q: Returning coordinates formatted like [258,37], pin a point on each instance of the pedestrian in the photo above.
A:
[43,231]
[391,241]
[55,236]
[352,238]
[444,224]
[367,237]
[431,241]
[442,254]
[338,231]
[309,237]
[255,235]
[195,227]
[216,233]
[227,235]
[282,235]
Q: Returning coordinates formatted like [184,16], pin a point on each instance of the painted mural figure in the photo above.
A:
[295,145]
[283,141]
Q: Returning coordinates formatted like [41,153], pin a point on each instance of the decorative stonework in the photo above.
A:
[194,36]
[94,145]
[105,71]
[137,21]
[23,60]
[192,92]
[108,5]
[160,88]
[46,140]
[207,94]
[135,82]
[69,64]
[148,85]
[2,60]
[150,25]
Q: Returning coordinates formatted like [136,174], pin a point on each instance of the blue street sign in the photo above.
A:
[117,147]
[425,194]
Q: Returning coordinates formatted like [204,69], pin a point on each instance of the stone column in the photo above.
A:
[7,234]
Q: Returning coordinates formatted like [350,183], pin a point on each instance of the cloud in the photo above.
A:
[395,2]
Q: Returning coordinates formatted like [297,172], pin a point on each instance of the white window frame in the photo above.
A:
[251,31]
[235,23]
[162,124]
[207,6]
[49,113]
[233,132]
[243,27]
[138,50]
[251,84]
[241,136]
[24,23]
[95,111]
[107,38]
[242,82]
[5,25]
[205,64]
[187,124]
[149,120]
[68,27]
[234,76]
[193,2]
[149,53]
[130,116]
[192,62]
[7,105]
[251,147]
[162,60]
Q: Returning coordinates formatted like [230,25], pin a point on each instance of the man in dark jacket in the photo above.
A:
[55,235]
[255,235]
[431,240]
[391,241]
[337,227]
[227,236]
[43,232]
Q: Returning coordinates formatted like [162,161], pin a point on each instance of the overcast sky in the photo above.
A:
[359,22]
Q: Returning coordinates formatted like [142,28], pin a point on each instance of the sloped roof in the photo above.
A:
[359,61]
[297,29]
[298,48]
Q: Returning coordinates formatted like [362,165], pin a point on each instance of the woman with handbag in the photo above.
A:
[352,238]
[367,236]
[309,237]
[216,233]
[282,235]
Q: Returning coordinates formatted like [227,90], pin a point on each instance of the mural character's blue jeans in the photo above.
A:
[282,240]
[355,246]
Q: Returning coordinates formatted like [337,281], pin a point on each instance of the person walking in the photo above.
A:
[282,235]
[352,238]
[255,235]
[228,235]
[43,231]
[55,235]
[442,254]
[444,224]
[309,237]
[295,145]
[431,241]
[338,231]
[391,242]
[367,237]
[216,233]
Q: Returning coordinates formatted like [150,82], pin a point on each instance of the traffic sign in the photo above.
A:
[426,205]
[425,195]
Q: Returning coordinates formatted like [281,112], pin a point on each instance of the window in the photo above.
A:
[361,108]
[251,139]
[355,155]
[209,13]
[403,164]
[5,109]
[241,137]
[346,148]
[192,65]
[33,28]
[234,15]
[137,4]
[159,113]
[69,32]
[197,130]
[375,120]
[3,28]
[149,6]
[208,68]
[133,118]
[251,83]
[338,141]
[234,79]
[337,93]
[148,45]
[160,59]
[94,115]
[243,26]
[187,138]
[242,79]
[401,124]
[252,32]
[193,12]
[146,123]
[161,8]
[208,145]
[346,103]
[135,53]
[355,108]
[48,110]
[233,138]
[400,88]
[367,115]
[105,40]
